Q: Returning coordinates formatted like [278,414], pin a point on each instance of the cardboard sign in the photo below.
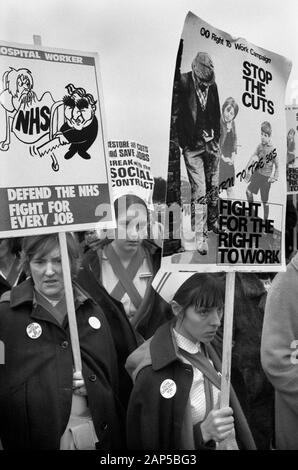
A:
[130,167]
[53,170]
[292,149]
[227,154]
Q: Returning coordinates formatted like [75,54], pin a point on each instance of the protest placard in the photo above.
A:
[53,156]
[228,150]
[130,168]
[292,149]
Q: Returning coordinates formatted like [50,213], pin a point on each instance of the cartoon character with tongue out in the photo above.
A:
[81,126]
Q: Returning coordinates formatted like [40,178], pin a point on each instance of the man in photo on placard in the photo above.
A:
[198,134]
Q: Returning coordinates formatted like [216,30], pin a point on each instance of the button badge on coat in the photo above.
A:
[34,330]
[94,322]
[168,388]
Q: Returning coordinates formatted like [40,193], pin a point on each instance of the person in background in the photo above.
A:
[174,402]
[118,274]
[279,353]
[250,383]
[11,272]
[86,239]
[126,266]
[291,233]
[44,404]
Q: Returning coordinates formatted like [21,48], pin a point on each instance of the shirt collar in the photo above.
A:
[186,344]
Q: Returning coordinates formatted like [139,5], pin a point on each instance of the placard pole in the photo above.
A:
[72,321]
[227,340]
[295,228]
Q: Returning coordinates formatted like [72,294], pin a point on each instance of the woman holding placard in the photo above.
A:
[43,404]
[175,401]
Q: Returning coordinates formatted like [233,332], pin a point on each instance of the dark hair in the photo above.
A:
[123,203]
[84,100]
[14,245]
[230,102]
[200,290]
[291,222]
[45,243]
[126,201]
[266,128]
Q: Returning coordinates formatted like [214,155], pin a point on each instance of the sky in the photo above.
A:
[137,42]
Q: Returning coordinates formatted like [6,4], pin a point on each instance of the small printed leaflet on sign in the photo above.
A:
[130,168]
[292,149]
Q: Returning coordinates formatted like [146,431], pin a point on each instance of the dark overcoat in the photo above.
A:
[158,423]
[36,379]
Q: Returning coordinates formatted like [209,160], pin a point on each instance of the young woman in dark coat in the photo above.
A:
[174,402]
[118,274]
[126,265]
[43,404]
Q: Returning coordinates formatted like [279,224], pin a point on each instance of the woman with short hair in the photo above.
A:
[43,404]
[174,404]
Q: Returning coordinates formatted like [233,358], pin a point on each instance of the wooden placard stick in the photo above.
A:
[295,205]
[72,320]
[295,228]
[227,340]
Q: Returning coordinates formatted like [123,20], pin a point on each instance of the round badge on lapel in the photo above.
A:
[34,330]
[94,322]
[168,388]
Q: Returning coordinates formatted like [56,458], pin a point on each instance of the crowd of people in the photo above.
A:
[150,376]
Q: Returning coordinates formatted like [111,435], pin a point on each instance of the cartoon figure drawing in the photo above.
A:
[81,126]
[24,114]
[70,122]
